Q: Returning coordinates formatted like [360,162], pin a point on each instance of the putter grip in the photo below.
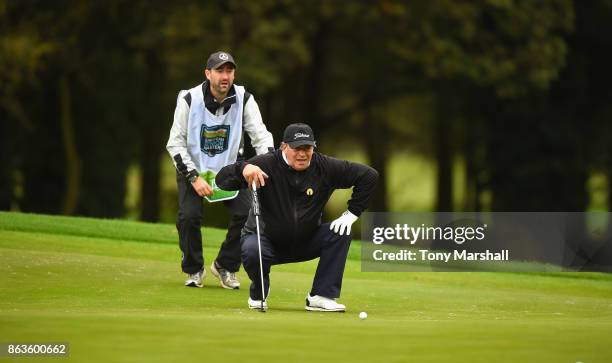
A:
[255,201]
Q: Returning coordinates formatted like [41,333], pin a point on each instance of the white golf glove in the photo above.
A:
[344,222]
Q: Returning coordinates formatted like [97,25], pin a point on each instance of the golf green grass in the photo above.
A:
[114,291]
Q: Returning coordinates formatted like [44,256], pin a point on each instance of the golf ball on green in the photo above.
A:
[363,315]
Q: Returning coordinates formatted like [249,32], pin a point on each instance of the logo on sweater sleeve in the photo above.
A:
[214,139]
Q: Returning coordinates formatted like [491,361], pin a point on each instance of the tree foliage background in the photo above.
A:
[519,90]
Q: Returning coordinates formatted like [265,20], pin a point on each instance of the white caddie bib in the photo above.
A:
[213,141]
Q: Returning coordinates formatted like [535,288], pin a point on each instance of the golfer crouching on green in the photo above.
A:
[295,184]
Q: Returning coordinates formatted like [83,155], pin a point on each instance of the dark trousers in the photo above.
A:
[331,248]
[189,222]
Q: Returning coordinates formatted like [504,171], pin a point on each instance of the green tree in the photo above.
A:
[510,49]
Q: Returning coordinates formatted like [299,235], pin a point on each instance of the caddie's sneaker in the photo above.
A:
[195,280]
[227,279]
[321,303]
[256,304]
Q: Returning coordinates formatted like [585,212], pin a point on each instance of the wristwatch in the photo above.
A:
[192,176]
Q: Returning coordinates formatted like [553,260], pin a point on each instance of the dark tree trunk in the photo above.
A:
[153,142]
[473,165]
[609,167]
[73,164]
[474,129]
[313,89]
[7,170]
[444,159]
[43,160]
[376,136]
[150,178]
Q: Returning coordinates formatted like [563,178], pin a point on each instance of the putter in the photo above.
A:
[256,212]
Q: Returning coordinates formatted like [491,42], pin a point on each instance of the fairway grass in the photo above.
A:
[113,290]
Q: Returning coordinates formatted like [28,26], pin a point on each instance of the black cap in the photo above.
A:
[299,134]
[217,59]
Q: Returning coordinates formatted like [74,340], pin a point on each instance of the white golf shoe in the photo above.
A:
[321,303]
[256,304]
[195,280]
[227,279]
